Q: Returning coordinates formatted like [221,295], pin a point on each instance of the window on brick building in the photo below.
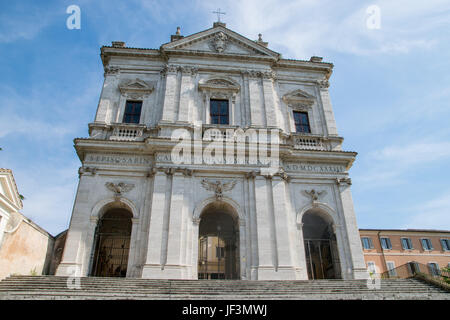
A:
[386,243]
[391,268]
[367,243]
[426,244]
[407,244]
[445,244]
[434,269]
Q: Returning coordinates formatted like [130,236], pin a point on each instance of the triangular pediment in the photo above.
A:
[222,41]
[9,194]
[299,96]
[136,85]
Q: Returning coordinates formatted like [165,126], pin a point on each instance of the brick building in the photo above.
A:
[388,249]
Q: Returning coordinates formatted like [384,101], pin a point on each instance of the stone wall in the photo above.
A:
[25,250]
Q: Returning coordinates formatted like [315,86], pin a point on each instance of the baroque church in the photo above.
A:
[213,157]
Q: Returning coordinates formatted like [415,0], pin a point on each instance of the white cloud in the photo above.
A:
[390,165]
[433,214]
[49,194]
[314,27]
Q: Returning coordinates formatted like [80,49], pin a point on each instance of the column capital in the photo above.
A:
[323,84]
[344,181]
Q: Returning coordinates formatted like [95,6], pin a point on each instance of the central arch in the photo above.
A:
[112,243]
[218,242]
[321,252]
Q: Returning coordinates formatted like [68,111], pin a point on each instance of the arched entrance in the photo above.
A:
[218,251]
[322,258]
[112,244]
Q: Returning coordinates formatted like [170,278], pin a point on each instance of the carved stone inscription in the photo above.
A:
[315,168]
[118,159]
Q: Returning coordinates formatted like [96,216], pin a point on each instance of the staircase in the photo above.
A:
[52,287]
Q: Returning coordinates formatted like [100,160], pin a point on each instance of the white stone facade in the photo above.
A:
[175,84]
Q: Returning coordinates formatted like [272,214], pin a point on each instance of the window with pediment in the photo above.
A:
[134,94]
[219,100]
[300,110]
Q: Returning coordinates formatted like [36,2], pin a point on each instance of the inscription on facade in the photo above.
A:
[118,159]
[308,167]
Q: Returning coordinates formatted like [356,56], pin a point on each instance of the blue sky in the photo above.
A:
[390,90]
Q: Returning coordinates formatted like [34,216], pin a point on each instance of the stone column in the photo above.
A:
[330,122]
[245,100]
[358,268]
[267,254]
[269,99]
[89,251]
[284,229]
[303,268]
[169,106]
[175,226]
[154,263]
[256,100]
[186,94]
[72,260]
[252,226]
[242,250]
[107,105]
[133,259]
[195,230]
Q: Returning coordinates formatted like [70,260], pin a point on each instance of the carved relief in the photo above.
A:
[344,181]
[84,170]
[111,70]
[119,188]
[189,70]
[219,42]
[314,195]
[218,187]
[323,84]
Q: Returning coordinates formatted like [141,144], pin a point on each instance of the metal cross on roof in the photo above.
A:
[218,14]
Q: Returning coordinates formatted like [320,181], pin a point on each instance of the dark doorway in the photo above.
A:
[112,244]
[218,252]
[322,259]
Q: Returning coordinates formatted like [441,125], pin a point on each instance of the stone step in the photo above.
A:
[50,287]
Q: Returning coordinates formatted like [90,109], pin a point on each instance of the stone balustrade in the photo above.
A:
[127,132]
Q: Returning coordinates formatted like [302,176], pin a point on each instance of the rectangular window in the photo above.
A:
[386,243]
[219,111]
[413,267]
[426,244]
[132,112]
[445,244]
[301,122]
[367,243]
[371,267]
[434,269]
[391,268]
[407,244]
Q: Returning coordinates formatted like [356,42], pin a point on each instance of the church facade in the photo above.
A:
[213,157]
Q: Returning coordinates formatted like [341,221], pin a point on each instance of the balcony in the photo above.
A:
[313,142]
[127,132]
[118,131]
